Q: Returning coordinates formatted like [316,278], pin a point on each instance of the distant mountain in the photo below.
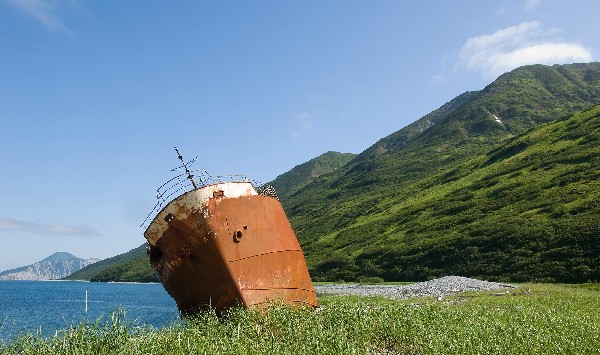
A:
[303,174]
[54,267]
[131,266]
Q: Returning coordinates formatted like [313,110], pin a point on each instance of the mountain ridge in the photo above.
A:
[514,214]
[329,215]
[462,130]
[54,267]
[133,265]
[303,174]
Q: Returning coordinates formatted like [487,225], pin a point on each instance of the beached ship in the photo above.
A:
[223,242]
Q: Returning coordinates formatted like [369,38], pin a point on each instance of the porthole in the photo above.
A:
[237,235]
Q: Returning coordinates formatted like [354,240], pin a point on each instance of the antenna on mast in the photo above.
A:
[187,171]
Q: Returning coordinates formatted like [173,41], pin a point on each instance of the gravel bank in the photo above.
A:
[438,288]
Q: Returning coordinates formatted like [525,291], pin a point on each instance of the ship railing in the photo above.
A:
[182,183]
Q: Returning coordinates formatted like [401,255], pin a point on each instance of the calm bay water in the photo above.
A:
[48,306]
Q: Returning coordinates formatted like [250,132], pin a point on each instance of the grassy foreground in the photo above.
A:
[533,319]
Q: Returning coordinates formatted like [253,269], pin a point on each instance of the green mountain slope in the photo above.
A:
[131,266]
[303,174]
[464,128]
[527,210]
[327,214]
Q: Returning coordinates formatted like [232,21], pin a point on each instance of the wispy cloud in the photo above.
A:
[49,13]
[437,79]
[512,47]
[304,123]
[532,4]
[14,225]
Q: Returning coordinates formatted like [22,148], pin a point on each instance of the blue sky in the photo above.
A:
[95,94]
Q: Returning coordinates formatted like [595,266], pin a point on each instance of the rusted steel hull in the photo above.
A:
[223,245]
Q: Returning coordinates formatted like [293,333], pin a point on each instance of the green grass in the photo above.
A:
[550,319]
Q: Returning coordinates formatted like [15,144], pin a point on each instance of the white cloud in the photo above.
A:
[437,79]
[13,225]
[532,4]
[515,46]
[46,12]
[303,124]
[501,11]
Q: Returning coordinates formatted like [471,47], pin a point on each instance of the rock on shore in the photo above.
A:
[437,288]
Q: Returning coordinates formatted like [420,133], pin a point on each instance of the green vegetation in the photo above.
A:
[460,193]
[525,211]
[131,266]
[303,174]
[533,319]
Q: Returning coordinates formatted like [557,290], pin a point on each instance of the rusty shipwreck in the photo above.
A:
[223,242]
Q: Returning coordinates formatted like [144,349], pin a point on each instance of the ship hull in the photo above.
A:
[223,246]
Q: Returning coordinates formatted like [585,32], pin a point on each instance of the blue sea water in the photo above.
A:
[44,307]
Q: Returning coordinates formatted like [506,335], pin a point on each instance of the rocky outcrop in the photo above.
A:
[54,267]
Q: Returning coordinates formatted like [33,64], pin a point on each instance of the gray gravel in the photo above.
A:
[437,288]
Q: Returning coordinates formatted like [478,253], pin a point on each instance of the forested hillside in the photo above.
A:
[335,217]
[303,174]
[526,211]
[130,266]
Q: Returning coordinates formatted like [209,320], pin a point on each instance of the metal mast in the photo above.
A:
[188,172]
